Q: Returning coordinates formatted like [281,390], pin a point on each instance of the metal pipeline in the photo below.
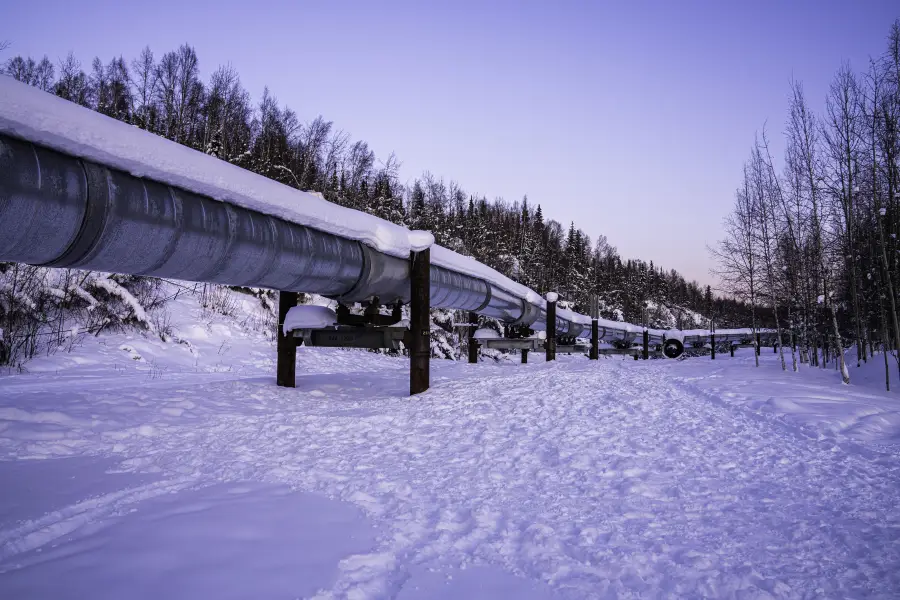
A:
[60,211]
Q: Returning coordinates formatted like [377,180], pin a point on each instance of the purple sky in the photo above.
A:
[631,118]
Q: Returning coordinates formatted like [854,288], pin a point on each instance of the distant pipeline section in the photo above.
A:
[62,211]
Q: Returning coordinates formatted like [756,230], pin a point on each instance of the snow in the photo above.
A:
[552,296]
[882,211]
[190,474]
[105,283]
[141,553]
[485,334]
[309,317]
[420,240]
[674,334]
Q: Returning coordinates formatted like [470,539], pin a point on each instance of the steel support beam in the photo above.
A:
[420,321]
[286,369]
[473,343]
[550,343]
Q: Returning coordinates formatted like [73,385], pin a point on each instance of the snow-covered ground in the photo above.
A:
[133,468]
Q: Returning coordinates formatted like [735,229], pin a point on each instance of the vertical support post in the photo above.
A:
[595,327]
[550,342]
[758,344]
[731,346]
[646,344]
[473,343]
[286,364]
[525,357]
[775,347]
[712,340]
[419,321]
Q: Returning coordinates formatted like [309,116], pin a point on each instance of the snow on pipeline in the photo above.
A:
[132,468]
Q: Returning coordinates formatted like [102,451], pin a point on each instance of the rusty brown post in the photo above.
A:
[473,343]
[286,364]
[550,342]
[419,321]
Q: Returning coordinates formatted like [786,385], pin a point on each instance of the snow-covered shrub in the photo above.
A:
[24,309]
[444,340]
[122,301]
[268,299]
[495,355]
[162,324]
[43,309]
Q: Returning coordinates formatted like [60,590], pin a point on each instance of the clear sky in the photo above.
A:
[631,118]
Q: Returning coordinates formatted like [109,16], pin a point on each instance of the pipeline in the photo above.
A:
[62,210]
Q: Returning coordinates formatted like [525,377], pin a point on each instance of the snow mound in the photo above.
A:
[420,240]
[309,316]
[485,334]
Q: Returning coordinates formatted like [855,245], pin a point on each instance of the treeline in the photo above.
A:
[166,96]
[816,240]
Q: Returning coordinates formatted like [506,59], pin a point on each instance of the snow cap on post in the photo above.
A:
[552,296]
[420,240]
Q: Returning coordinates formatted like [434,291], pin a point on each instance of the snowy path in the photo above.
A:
[583,480]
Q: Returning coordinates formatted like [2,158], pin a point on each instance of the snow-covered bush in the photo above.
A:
[444,338]
[43,309]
